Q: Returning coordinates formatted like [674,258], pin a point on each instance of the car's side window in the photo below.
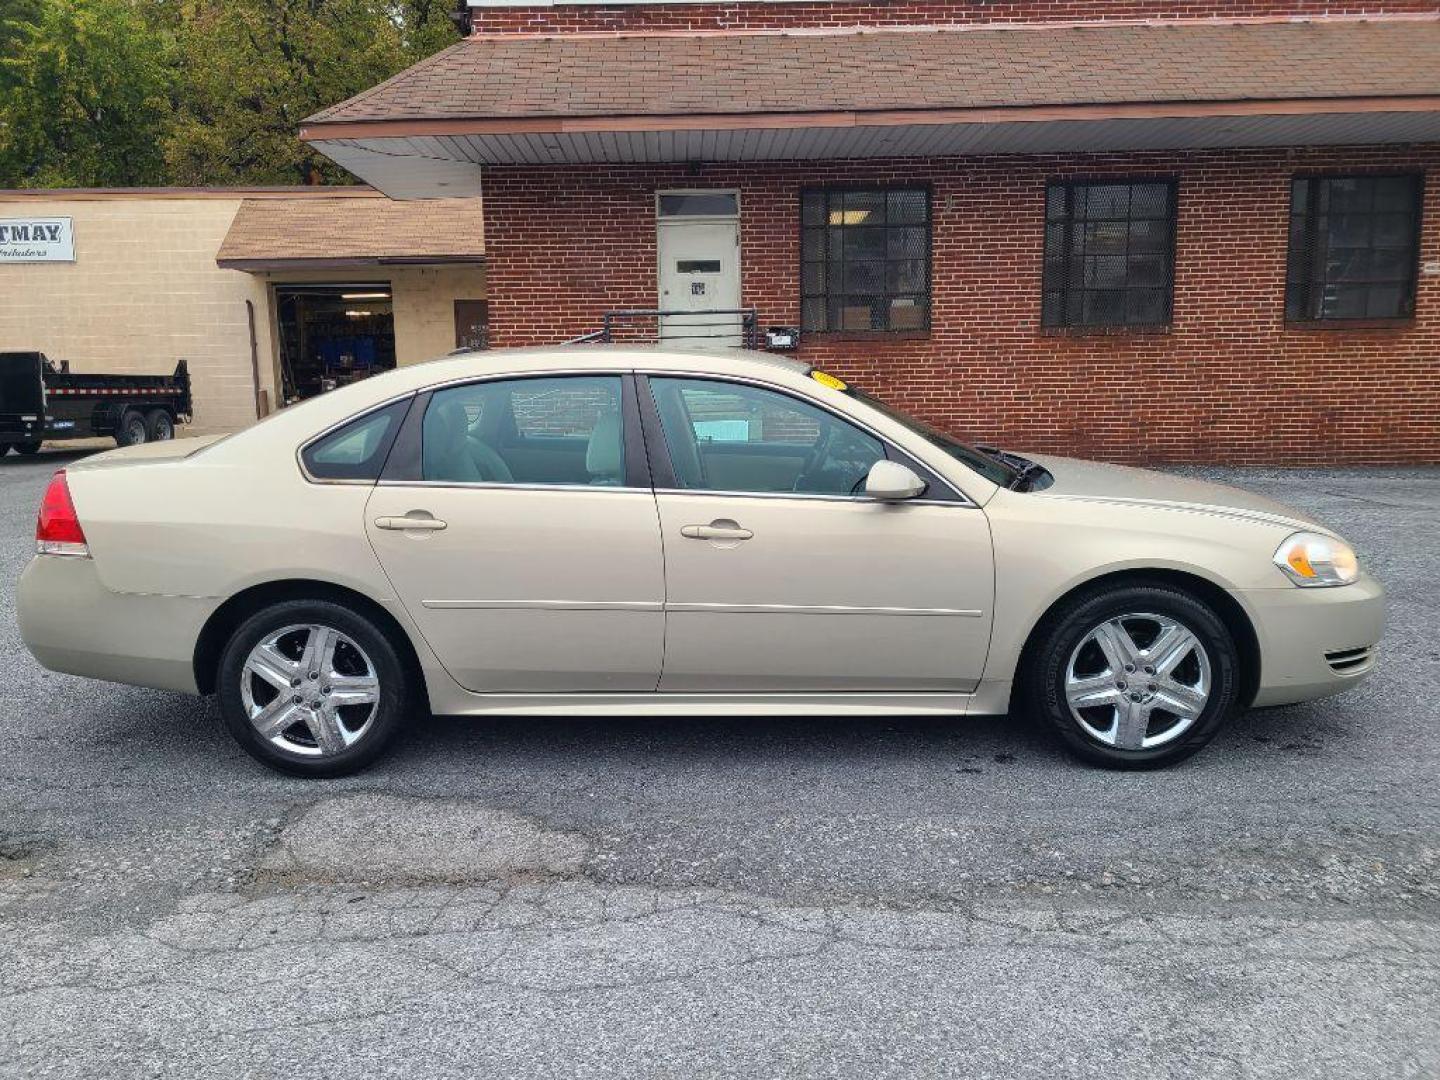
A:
[554,430]
[726,436]
[356,451]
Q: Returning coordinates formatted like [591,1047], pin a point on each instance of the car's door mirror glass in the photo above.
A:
[892,481]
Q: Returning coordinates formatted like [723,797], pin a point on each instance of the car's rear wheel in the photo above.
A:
[1136,676]
[311,687]
[131,430]
[159,426]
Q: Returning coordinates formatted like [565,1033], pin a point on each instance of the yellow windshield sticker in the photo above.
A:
[826,379]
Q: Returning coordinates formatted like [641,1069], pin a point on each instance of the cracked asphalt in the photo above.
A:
[741,898]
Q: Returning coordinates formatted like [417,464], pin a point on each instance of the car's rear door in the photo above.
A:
[519,581]
[780,577]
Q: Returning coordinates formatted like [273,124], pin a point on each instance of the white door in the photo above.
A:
[700,273]
[779,578]
[519,547]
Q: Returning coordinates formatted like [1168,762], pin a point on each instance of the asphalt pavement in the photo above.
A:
[732,898]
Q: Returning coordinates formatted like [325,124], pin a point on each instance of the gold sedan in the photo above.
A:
[597,530]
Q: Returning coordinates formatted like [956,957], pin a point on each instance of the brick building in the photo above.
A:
[1130,229]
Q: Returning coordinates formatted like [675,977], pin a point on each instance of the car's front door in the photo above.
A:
[780,577]
[519,530]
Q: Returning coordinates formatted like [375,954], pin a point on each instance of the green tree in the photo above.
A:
[252,70]
[84,94]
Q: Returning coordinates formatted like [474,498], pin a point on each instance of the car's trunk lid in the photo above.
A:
[145,453]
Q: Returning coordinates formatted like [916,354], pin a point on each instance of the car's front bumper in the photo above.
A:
[71,622]
[1314,642]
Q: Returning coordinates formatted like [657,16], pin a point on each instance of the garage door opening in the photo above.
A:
[333,335]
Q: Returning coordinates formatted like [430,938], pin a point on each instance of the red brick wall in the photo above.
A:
[1229,382]
[573,18]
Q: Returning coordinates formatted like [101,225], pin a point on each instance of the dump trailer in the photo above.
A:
[41,399]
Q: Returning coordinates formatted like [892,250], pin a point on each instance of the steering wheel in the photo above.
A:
[817,453]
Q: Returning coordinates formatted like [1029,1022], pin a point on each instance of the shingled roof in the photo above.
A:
[515,77]
[347,230]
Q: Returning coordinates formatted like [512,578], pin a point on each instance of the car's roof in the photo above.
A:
[603,356]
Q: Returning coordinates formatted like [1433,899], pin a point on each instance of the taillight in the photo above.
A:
[58,531]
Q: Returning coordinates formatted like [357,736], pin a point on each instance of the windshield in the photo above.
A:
[994,470]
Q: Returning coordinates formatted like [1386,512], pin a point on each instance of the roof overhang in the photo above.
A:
[278,265]
[426,158]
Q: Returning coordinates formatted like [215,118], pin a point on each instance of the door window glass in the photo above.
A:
[732,437]
[565,430]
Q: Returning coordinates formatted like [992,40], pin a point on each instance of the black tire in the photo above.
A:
[371,737]
[4,448]
[131,431]
[1067,630]
[159,426]
[29,449]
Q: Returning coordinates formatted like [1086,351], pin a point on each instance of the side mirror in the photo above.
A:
[891,481]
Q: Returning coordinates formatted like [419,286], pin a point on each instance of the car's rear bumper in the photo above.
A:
[71,623]
[1315,642]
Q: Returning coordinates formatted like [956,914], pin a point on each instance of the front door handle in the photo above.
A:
[716,530]
[423,524]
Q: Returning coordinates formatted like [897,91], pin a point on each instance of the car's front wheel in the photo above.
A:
[1137,676]
[312,687]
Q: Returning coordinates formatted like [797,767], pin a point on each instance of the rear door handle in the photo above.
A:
[423,524]
[714,531]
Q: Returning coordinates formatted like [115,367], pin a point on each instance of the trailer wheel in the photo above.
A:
[131,429]
[29,449]
[159,425]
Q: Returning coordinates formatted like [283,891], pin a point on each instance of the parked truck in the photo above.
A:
[41,399]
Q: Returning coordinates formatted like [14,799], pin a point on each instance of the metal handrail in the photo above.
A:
[719,319]
[587,339]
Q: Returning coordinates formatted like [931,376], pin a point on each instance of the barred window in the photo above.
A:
[865,259]
[1109,254]
[1353,247]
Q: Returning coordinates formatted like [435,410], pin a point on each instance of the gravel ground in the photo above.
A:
[799,898]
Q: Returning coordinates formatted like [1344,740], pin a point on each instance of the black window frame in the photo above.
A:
[372,468]
[662,468]
[826,295]
[1305,285]
[1064,288]
[405,465]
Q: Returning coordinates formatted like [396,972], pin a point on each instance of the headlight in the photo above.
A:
[1313,559]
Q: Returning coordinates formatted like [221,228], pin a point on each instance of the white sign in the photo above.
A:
[25,240]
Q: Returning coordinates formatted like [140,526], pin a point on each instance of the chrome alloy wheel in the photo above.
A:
[1138,681]
[310,690]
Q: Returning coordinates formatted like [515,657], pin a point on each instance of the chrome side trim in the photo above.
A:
[812,496]
[488,485]
[544,605]
[820,609]
[718,609]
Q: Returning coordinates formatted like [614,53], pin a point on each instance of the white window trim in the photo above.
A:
[696,191]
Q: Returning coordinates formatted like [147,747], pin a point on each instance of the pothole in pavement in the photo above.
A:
[373,838]
[19,852]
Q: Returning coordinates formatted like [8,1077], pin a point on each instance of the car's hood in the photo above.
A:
[1099,482]
[145,453]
